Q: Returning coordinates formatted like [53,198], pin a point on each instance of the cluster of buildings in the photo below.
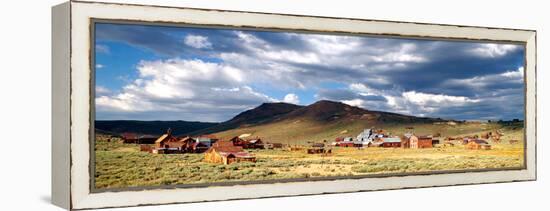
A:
[364,139]
[214,149]
[233,150]
[225,152]
[378,138]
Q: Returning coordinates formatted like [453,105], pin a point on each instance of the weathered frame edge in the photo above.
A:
[531,170]
[60,78]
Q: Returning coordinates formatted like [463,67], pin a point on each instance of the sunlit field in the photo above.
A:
[123,165]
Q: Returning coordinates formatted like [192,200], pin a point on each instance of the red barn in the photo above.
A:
[393,142]
[345,144]
[418,142]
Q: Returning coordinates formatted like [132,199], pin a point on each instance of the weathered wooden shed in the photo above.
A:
[197,147]
[405,141]
[277,145]
[256,143]
[391,142]
[129,138]
[419,142]
[238,141]
[226,153]
[478,144]
[318,148]
[146,139]
[345,144]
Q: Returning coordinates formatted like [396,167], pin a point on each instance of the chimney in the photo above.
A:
[169,131]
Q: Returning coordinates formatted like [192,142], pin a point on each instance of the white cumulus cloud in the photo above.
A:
[197,41]
[185,88]
[291,98]
[493,50]
[420,98]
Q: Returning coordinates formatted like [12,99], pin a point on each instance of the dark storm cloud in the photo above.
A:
[448,79]
[167,41]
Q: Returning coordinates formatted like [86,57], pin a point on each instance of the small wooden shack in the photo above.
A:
[226,153]
[270,145]
[146,139]
[256,143]
[405,141]
[419,142]
[318,148]
[238,141]
[197,147]
[129,138]
[435,141]
[345,144]
[391,142]
[277,145]
[478,144]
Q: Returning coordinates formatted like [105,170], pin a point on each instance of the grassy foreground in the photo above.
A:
[123,165]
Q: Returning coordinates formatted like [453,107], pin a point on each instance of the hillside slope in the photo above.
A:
[323,120]
[265,113]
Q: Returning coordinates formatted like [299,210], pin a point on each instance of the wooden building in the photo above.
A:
[270,145]
[247,144]
[318,148]
[277,145]
[197,147]
[146,139]
[478,144]
[165,141]
[207,140]
[226,153]
[168,142]
[129,138]
[419,142]
[435,141]
[238,141]
[405,141]
[345,144]
[256,143]
[390,142]
[133,138]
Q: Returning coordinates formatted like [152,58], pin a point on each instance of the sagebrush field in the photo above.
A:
[121,165]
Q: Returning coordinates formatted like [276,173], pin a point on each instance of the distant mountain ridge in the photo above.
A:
[262,114]
[275,120]
[149,127]
[320,116]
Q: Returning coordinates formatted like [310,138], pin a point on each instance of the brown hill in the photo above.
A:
[262,114]
[323,120]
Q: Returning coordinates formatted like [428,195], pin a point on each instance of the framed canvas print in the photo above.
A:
[158,105]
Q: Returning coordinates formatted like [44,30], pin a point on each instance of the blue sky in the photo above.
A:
[200,74]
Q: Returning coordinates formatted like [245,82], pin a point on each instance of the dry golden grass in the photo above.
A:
[123,165]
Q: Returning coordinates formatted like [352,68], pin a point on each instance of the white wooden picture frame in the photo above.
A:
[72,85]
